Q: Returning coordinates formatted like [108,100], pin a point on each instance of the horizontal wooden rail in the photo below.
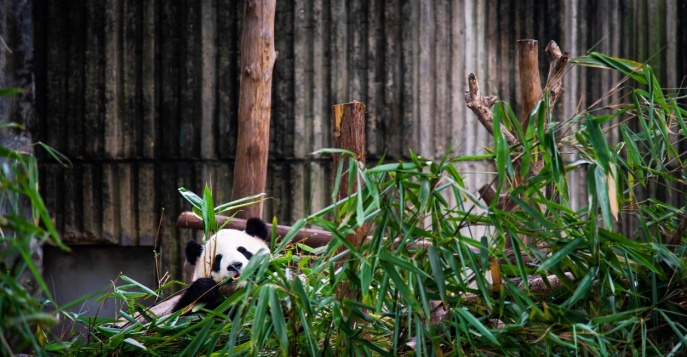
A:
[310,237]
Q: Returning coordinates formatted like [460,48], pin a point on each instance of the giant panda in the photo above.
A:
[223,256]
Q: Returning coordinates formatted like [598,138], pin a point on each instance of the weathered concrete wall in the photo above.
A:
[143,96]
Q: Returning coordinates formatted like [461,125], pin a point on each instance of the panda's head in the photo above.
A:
[226,254]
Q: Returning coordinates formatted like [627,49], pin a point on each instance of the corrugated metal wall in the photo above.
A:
[142,96]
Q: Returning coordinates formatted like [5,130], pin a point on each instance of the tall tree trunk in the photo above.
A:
[255,103]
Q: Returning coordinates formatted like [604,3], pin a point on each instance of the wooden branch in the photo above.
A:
[557,62]
[481,106]
[310,237]
[255,103]
[530,84]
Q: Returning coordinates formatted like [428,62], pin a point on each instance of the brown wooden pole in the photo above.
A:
[349,134]
[255,102]
[530,83]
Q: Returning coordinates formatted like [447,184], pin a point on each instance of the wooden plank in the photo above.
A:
[321,96]
[148,89]
[426,95]
[470,126]
[129,69]
[93,93]
[113,121]
[298,185]
[228,15]
[53,194]
[208,61]
[393,116]
[284,96]
[167,77]
[277,205]
[110,196]
[357,50]
[92,203]
[302,81]
[74,78]
[672,20]
[147,208]
[374,65]
[656,32]
[410,14]
[126,205]
[170,241]
[190,77]
[338,41]
[319,192]
[459,114]
[70,187]
[442,56]
[53,133]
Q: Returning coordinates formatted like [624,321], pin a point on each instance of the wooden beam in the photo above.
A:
[310,237]
[255,102]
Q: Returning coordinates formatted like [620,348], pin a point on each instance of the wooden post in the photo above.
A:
[349,134]
[530,83]
[255,102]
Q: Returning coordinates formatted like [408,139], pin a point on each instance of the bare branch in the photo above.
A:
[557,62]
[481,106]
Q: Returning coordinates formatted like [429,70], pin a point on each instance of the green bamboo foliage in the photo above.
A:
[424,277]
[26,309]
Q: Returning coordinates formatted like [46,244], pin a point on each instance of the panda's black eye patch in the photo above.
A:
[216,263]
[235,267]
[245,252]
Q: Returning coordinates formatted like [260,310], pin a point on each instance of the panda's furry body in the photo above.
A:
[223,256]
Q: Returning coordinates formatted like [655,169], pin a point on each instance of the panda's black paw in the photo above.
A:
[202,290]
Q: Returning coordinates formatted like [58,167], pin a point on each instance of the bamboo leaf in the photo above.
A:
[559,255]
[583,287]
[278,321]
[478,325]
[435,263]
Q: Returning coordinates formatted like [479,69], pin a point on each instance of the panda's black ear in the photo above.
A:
[257,228]
[193,251]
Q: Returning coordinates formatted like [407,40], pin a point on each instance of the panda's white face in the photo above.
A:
[226,254]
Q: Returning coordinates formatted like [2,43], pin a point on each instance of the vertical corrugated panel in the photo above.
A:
[92,202]
[147,89]
[126,204]
[114,124]
[92,127]
[208,87]
[321,100]
[424,118]
[147,208]
[302,80]
[392,116]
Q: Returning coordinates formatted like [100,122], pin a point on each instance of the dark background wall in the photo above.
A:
[142,96]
